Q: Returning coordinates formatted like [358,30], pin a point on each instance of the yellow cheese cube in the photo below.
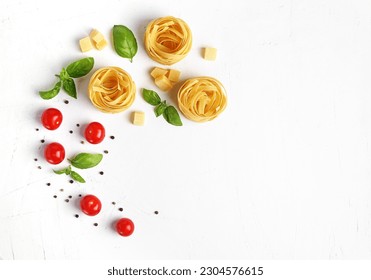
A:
[85,44]
[163,83]
[209,53]
[96,36]
[158,72]
[173,75]
[101,44]
[98,39]
[138,118]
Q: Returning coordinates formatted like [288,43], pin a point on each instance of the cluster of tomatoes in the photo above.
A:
[54,153]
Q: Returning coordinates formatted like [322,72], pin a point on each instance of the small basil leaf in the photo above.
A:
[124,42]
[80,67]
[49,94]
[63,75]
[77,177]
[68,170]
[151,97]
[171,116]
[62,171]
[160,108]
[69,87]
[86,160]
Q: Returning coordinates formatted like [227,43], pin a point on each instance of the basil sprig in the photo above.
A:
[124,42]
[76,69]
[73,174]
[169,112]
[81,161]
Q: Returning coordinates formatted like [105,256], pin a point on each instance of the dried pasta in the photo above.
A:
[202,99]
[111,89]
[167,40]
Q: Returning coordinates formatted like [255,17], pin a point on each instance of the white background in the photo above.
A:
[283,173]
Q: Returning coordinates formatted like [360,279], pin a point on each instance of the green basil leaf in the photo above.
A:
[86,160]
[159,110]
[59,172]
[49,94]
[69,87]
[66,171]
[171,116]
[151,97]
[80,67]
[124,42]
[77,177]
[63,75]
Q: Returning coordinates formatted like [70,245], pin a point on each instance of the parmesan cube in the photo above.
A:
[101,44]
[163,83]
[138,118]
[210,53]
[85,44]
[158,72]
[96,36]
[173,75]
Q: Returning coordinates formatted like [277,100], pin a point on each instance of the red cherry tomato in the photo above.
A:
[95,132]
[54,153]
[51,118]
[125,227]
[90,205]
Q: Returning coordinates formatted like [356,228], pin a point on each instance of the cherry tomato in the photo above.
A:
[90,205]
[51,118]
[95,132]
[125,227]
[54,153]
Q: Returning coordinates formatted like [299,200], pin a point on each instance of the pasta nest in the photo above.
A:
[202,99]
[111,90]
[167,40]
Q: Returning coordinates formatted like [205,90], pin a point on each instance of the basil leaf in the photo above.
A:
[124,42]
[49,94]
[59,172]
[80,67]
[86,160]
[159,110]
[171,116]
[68,170]
[77,177]
[69,87]
[151,97]
[63,75]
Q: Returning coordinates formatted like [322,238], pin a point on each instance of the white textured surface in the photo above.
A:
[284,173]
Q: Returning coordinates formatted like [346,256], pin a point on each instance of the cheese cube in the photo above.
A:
[101,44]
[98,39]
[173,75]
[138,118]
[163,83]
[96,36]
[210,53]
[158,72]
[85,44]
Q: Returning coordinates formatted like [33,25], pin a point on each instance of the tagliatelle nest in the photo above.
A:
[167,40]
[202,99]
[111,90]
